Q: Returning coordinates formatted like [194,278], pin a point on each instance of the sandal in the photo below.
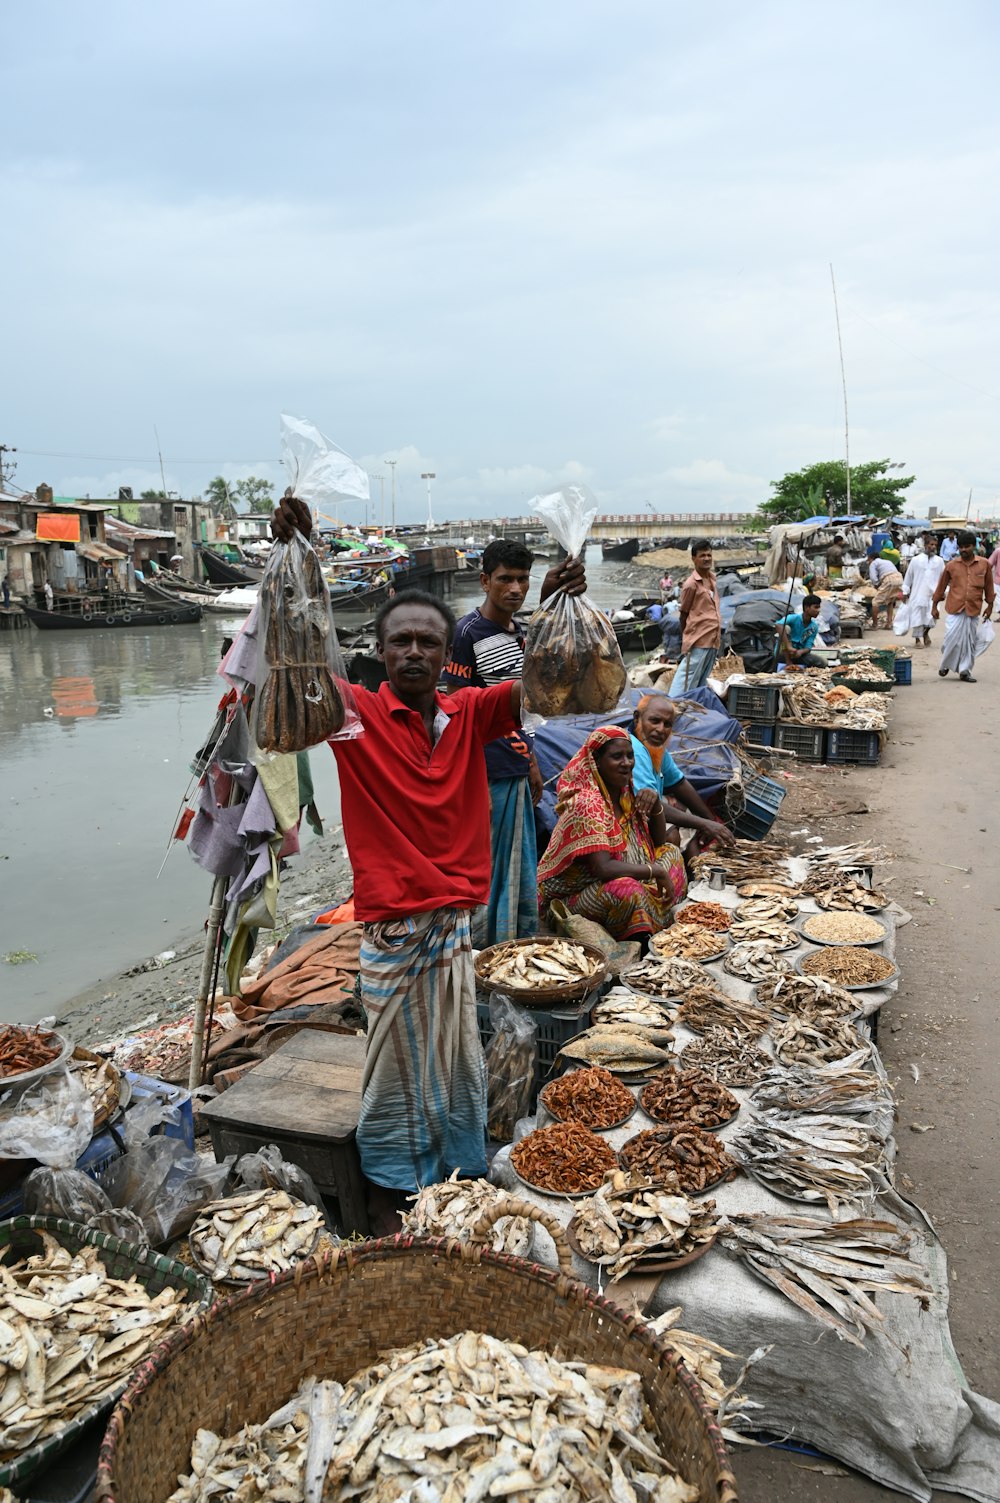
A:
[942,673]
[967,678]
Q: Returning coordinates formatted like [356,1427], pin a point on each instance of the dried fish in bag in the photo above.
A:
[511,1062]
[572,662]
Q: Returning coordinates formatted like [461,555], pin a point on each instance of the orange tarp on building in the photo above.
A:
[57,527]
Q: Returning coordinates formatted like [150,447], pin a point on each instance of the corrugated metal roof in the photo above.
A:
[98,553]
[130,531]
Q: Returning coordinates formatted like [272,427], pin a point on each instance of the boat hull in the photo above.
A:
[147,614]
[621,551]
[220,572]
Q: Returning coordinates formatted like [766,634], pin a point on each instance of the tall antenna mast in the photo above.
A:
[163,478]
[843,382]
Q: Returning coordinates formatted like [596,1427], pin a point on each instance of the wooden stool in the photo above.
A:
[305,1098]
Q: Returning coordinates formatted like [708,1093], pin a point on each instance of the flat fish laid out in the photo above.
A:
[632,1219]
[70,1336]
[621,1005]
[687,942]
[771,933]
[829,1269]
[469,1418]
[842,1088]
[797,1042]
[731,1058]
[544,962]
[453,1208]
[767,909]
[623,1048]
[251,1236]
[667,976]
[762,889]
[810,1158]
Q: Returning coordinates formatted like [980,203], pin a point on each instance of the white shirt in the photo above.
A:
[948,549]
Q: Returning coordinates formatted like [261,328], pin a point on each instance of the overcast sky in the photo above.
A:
[512,244]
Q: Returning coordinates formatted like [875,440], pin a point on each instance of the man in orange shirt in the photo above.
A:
[968,581]
[701,622]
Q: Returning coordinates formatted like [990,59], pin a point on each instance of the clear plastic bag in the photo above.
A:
[572,662]
[901,618]
[511,1058]
[163,1183]
[53,1122]
[76,1197]
[267,1170]
[985,634]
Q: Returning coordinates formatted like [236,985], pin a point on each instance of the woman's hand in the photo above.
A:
[664,882]
[712,830]
[647,803]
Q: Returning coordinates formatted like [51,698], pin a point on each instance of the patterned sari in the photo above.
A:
[588,824]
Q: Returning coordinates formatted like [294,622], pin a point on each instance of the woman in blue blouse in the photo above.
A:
[652,727]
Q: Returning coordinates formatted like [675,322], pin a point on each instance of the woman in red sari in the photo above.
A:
[608,858]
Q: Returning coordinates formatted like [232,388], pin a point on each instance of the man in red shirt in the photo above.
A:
[416,822]
[968,581]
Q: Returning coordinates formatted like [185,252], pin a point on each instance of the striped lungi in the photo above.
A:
[423,1102]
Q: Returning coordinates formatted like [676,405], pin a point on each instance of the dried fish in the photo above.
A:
[251,1236]
[623,1048]
[592,1097]
[621,1005]
[470,1417]
[811,1158]
[70,1335]
[632,1219]
[842,1088]
[733,1059]
[756,960]
[842,892]
[708,915]
[761,910]
[764,889]
[542,963]
[565,1159]
[698,1158]
[676,1096]
[707,1007]
[687,942]
[807,997]
[701,1358]
[828,1268]
[667,977]
[849,967]
[843,928]
[453,1208]
[767,933]
[797,1042]
[747,861]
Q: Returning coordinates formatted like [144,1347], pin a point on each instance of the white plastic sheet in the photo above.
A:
[319,472]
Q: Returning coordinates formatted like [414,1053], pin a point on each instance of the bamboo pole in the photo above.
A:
[216,909]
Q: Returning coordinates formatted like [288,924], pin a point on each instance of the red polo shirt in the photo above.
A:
[417,817]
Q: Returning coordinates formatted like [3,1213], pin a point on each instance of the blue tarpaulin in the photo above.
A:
[826,521]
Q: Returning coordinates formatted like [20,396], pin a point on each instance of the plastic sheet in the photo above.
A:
[511,1060]
[165,1185]
[572,662]
[267,1170]
[76,1197]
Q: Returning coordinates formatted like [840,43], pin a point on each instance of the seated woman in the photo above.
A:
[608,858]
[655,768]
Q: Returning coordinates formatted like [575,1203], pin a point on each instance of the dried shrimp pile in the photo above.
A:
[470,1417]
[798,1043]
[676,1096]
[766,933]
[706,1008]
[756,961]
[687,942]
[842,1089]
[763,910]
[807,997]
[453,1208]
[848,967]
[565,1159]
[708,915]
[696,1157]
[543,963]
[733,1059]
[817,1158]
[632,1220]
[669,977]
[592,1097]
[621,1005]
[843,927]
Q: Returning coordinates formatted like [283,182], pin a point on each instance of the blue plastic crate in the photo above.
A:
[763,798]
[759,734]
[863,747]
[903,670]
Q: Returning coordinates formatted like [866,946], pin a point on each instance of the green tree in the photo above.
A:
[222,499]
[228,501]
[153,496]
[256,493]
[821,489]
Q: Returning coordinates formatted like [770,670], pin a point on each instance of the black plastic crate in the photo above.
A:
[762,801]
[758,734]
[753,702]
[863,747]
[555,1028]
[808,742]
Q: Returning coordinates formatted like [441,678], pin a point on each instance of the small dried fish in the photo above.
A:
[814,1158]
[843,928]
[707,1007]
[632,1219]
[733,1059]
[453,1208]
[251,1236]
[698,1158]
[687,942]
[542,963]
[848,967]
[807,997]
[761,910]
[747,861]
[767,933]
[677,1096]
[621,1005]
[592,1097]
[756,961]
[470,1417]
[668,977]
[564,1159]
[842,892]
[829,1268]
[842,1088]
[796,1042]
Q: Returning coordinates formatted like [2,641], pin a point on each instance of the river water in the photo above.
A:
[97,729]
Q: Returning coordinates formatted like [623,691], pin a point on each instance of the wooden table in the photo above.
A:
[305,1098]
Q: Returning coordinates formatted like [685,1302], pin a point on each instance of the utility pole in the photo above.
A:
[381,499]
[7,466]
[429,475]
[393,463]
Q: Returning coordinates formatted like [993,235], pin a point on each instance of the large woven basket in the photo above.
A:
[336,1314]
[542,996]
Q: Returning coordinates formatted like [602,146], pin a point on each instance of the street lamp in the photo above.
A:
[394,463]
[429,475]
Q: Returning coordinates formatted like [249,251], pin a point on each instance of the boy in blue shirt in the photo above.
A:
[798,632]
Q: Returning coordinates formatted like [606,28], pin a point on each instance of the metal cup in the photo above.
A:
[717,878]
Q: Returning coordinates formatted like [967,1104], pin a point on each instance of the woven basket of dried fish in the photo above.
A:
[842,927]
[829,1268]
[708,915]
[565,1160]
[698,1158]
[775,910]
[454,1207]
[856,970]
[733,1059]
[688,942]
[753,961]
[622,1005]
[541,970]
[676,1096]
[626,1049]
[842,1088]
[808,997]
[767,933]
[255,1235]
[632,1223]
[667,977]
[330,1318]
[79,1311]
[593,1097]
[797,1042]
[810,1158]
[707,1007]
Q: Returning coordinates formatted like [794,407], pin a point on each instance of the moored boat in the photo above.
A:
[220,571]
[620,549]
[87,613]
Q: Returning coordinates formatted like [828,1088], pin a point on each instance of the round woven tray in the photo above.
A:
[541,996]
[335,1314]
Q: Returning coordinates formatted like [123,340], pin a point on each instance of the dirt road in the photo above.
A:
[933,804]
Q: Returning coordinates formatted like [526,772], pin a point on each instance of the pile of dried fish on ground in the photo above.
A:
[843,927]
[733,1059]
[469,1417]
[756,960]
[632,1219]
[701,1358]
[816,1158]
[621,1005]
[705,1008]
[453,1208]
[796,1042]
[251,1236]
[592,1097]
[624,1048]
[697,1158]
[676,1096]
[70,1335]
[542,963]
[848,967]
[838,890]
[687,942]
[843,1089]
[829,1269]
[565,1159]
[669,977]
[807,997]
[708,915]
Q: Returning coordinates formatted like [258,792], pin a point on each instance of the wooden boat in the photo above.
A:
[216,601]
[220,571]
[620,549]
[179,584]
[86,613]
